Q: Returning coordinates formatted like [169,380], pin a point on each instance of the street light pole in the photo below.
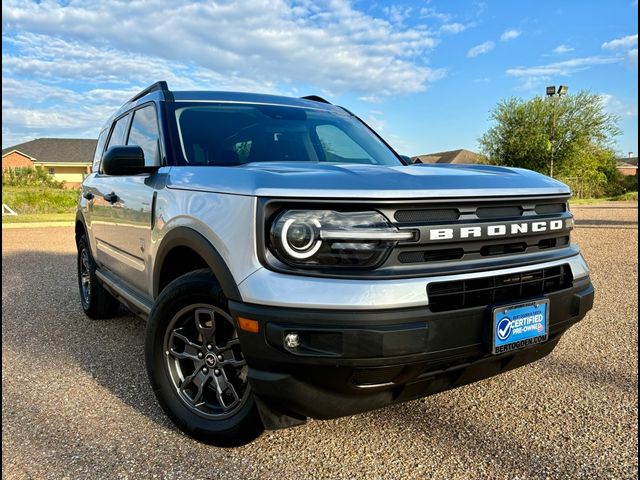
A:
[553,94]
[553,133]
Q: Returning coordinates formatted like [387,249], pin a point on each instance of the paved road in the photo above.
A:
[76,403]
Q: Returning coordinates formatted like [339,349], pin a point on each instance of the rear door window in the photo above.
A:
[144,133]
[97,156]
[119,132]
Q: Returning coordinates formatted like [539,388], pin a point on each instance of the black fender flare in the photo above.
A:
[79,219]
[187,237]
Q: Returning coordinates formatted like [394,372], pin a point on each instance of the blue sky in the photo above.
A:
[425,74]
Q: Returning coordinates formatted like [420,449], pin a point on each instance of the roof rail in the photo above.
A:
[316,98]
[161,85]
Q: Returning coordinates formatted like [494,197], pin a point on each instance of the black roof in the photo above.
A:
[57,150]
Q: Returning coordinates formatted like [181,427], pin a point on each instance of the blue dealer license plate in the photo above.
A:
[519,326]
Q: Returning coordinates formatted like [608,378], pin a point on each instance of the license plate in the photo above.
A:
[519,326]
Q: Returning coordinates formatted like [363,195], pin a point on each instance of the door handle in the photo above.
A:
[88,195]
[110,197]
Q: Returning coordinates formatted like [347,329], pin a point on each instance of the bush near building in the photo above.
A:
[28,190]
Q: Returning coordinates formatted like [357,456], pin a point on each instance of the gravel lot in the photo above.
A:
[76,402]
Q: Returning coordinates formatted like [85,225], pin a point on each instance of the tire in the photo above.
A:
[195,364]
[96,302]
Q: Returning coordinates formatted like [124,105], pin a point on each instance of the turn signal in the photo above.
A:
[251,326]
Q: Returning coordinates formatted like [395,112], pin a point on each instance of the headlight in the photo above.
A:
[327,238]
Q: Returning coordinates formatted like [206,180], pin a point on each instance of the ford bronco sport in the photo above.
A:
[290,264]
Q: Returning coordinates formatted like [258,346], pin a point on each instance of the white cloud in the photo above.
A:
[562,49]
[628,43]
[81,53]
[481,49]
[330,45]
[621,43]
[614,105]
[397,14]
[453,28]
[427,12]
[563,68]
[510,34]
[375,121]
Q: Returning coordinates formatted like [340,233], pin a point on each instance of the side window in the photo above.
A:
[338,146]
[144,133]
[119,131]
[97,156]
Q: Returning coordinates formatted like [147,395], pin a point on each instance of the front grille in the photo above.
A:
[477,250]
[427,215]
[450,217]
[499,212]
[548,208]
[457,294]
[478,211]
[431,255]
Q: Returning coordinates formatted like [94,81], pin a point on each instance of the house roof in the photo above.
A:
[630,160]
[451,156]
[626,164]
[56,150]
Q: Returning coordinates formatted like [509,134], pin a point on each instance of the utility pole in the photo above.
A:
[553,95]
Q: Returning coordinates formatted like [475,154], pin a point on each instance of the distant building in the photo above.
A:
[452,156]
[66,159]
[627,165]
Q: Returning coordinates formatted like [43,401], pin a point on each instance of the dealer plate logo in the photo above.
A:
[504,328]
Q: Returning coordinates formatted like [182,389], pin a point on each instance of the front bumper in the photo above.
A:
[269,288]
[351,361]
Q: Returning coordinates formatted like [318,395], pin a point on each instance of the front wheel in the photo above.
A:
[195,363]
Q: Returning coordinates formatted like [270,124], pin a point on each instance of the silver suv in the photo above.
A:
[290,264]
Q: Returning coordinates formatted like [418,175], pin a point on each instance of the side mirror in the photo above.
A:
[124,160]
[407,160]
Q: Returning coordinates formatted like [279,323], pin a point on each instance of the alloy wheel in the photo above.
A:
[204,361]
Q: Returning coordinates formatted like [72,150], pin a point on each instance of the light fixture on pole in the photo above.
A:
[552,92]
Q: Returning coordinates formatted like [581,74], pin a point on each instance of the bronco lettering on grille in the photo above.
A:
[497,230]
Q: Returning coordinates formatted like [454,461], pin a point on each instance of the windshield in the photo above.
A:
[237,134]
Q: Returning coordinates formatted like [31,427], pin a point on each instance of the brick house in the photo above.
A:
[66,159]
[628,165]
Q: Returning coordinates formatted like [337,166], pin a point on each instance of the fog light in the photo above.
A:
[292,340]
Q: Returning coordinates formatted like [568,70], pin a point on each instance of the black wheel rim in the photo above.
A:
[85,276]
[205,363]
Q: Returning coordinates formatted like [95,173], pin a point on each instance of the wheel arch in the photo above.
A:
[80,227]
[187,238]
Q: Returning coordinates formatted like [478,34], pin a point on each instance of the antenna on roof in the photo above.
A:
[316,98]
[161,85]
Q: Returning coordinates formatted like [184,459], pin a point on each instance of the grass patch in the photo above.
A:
[32,200]
[625,197]
[39,217]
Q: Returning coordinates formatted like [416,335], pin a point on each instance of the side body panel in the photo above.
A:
[227,222]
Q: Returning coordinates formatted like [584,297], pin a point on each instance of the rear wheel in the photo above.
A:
[196,365]
[96,302]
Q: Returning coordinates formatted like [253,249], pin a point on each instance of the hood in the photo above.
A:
[317,180]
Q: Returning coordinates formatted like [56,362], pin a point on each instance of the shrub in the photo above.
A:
[29,177]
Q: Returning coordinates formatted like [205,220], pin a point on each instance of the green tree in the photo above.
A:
[573,130]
